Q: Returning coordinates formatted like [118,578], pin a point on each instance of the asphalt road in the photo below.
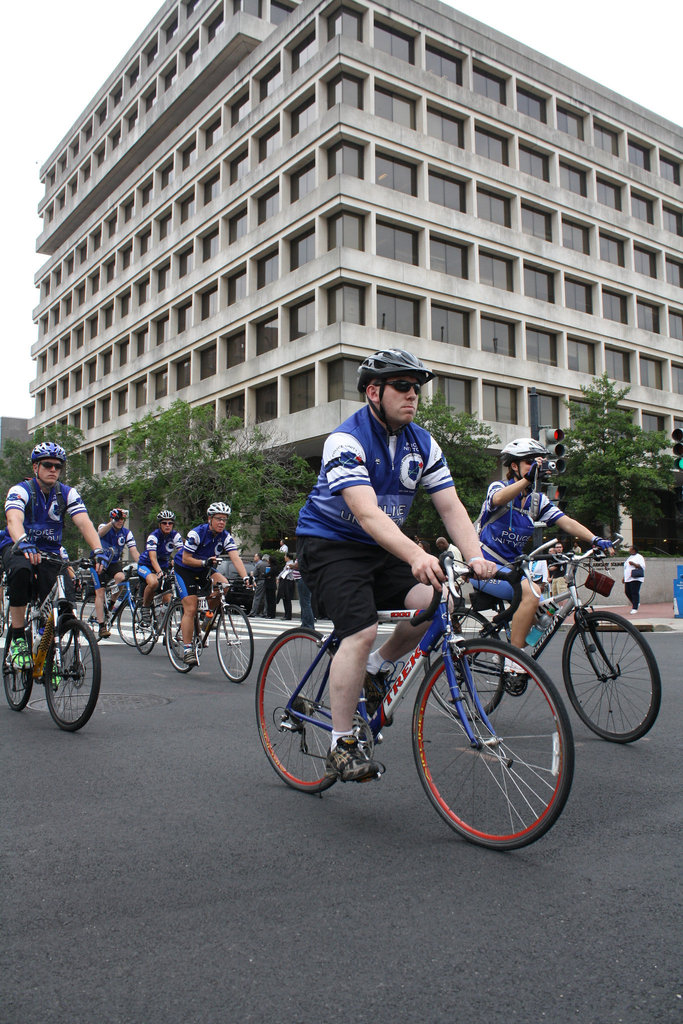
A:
[155,870]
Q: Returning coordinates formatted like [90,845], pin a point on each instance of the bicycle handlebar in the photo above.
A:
[512,576]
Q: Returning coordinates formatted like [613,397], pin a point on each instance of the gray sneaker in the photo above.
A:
[350,763]
[190,657]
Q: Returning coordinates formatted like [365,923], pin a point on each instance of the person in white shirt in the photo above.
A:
[634,575]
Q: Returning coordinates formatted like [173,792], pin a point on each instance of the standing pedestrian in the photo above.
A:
[285,587]
[258,605]
[634,574]
[271,585]
[557,571]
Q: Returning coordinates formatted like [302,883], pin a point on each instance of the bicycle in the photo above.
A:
[496,766]
[610,672]
[4,603]
[66,659]
[234,638]
[147,630]
[119,603]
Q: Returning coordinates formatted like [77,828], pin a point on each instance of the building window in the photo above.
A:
[140,387]
[447,257]
[485,83]
[648,316]
[345,229]
[396,243]
[304,115]
[214,27]
[184,317]
[541,347]
[674,272]
[185,262]
[611,249]
[212,132]
[617,364]
[266,403]
[394,108]
[581,356]
[495,271]
[239,109]
[207,361]
[548,408]
[189,154]
[302,249]
[642,208]
[209,302]
[614,306]
[302,181]
[608,193]
[191,52]
[677,379]
[267,269]
[302,391]
[676,325]
[122,349]
[606,139]
[573,179]
[122,402]
[644,261]
[493,207]
[212,188]
[534,163]
[396,174]
[271,81]
[235,349]
[269,142]
[161,329]
[670,169]
[301,319]
[396,44]
[345,158]
[447,192]
[346,302]
[539,284]
[237,286]
[342,376]
[497,336]
[237,225]
[500,403]
[578,295]
[345,22]
[182,373]
[490,145]
[450,326]
[570,122]
[163,275]
[303,51]
[187,207]
[144,241]
[673,220]
[445,127]
[530,104]
[161,383]
[650,373]
[345,88]
[443,64]
[210,245]
[652,422]
[638,155]
[397,313]
[575,236]
[268,204]
[164,223]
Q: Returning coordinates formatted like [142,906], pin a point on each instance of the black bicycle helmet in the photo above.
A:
[388,363]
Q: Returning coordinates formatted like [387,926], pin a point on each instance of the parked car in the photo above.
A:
[239,594]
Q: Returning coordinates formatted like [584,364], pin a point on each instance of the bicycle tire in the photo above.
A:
[620,710]
[502,796]
[18,682]
[234,643]
[72,700]
[145,634]
[470,623]
[124,622]
[174,638]
[296,750]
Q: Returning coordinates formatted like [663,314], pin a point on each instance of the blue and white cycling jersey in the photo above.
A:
[506,538]
[361,452]
[202,543]
[164,546]
[43,522]
[118,540]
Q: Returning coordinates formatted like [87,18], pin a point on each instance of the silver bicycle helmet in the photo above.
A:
[48,450]
[388,363]
[166,515]
[218,508]
[522,448]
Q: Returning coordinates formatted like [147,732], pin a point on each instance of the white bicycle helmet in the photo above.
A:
[522,448]
[218,508]
[166,515]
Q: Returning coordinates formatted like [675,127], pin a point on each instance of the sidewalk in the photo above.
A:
[651,618]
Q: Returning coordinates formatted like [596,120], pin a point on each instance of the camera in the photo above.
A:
[551,467]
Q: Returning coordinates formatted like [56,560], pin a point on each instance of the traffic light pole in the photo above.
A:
[533,413]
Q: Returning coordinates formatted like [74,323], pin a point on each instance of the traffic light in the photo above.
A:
[677,438]
[552,438]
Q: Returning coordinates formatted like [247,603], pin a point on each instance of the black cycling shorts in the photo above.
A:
[351,581]
[193,581]
[20,573]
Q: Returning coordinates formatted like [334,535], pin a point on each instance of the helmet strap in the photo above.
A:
[378,409]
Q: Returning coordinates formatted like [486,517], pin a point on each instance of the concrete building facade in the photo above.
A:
[263,192]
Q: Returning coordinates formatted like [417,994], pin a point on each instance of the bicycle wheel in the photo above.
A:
[18,682]
[509,792]
[295,749]
[145,633]
[468,623]
[174,637]
[612,677]
[234,643]
[124,622]
[73,687]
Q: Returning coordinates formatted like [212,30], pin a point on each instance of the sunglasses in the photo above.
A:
[404,386]
[52,465]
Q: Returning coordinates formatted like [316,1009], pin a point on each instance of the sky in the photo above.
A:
[70,47]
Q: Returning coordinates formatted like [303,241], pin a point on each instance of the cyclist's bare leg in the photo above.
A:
[347,673]
[17,616]
[187,621]
[99,605]
[405,637]
[150,590]
[524,616]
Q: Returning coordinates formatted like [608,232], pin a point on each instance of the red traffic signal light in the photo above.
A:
[677,438]
[552,437]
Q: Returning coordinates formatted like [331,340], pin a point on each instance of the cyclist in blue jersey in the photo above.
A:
[351,550]
[155,560]
[511,509]
[35,511]
[115,537]
[195,565]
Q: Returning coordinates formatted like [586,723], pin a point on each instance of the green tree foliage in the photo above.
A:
[611,462]
[181,459]
[465,441]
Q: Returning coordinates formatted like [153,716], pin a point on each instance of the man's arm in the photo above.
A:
[575,529]
[90,535]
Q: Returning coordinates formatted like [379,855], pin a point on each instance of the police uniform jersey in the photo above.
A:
[117,539]
[361,452]
[43,523]
[164,546]
[202,543]
[506,538]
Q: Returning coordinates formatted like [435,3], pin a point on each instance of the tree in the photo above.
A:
[465,442]
[611,462]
